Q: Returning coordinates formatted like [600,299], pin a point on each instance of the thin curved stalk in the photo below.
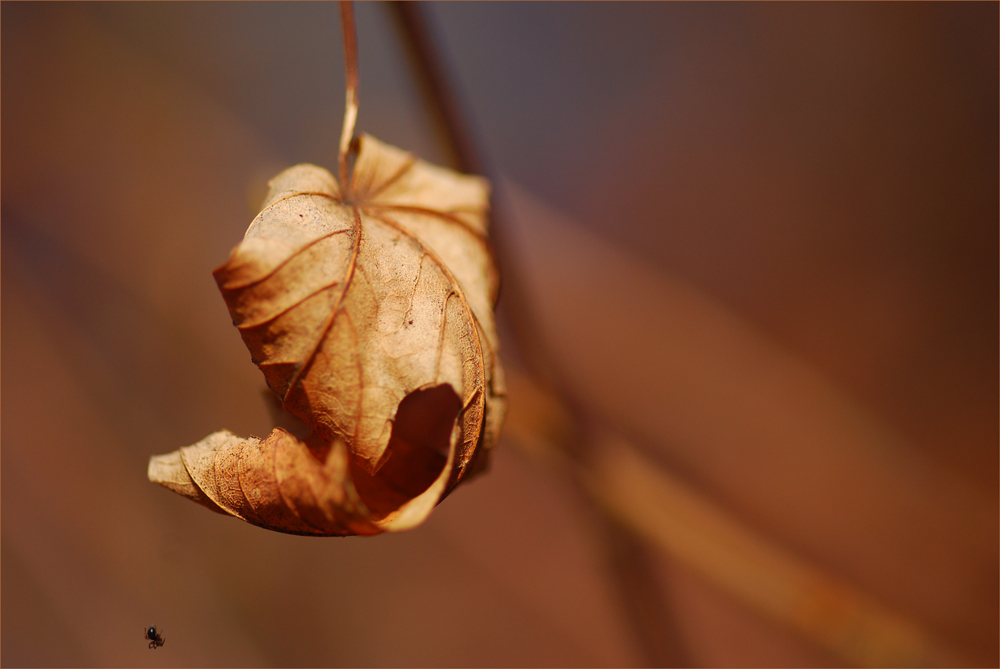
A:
[351,105]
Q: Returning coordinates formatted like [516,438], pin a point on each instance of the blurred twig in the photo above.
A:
[647,611]
[456,134]
[640,496]
[684,525]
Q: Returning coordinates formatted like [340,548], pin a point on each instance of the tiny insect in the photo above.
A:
[155,638]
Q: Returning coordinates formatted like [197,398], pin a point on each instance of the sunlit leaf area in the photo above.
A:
[747,312]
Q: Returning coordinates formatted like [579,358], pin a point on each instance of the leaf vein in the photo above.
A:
[300,372]
[274,270]
[299,301]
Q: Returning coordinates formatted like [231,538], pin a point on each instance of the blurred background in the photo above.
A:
[758,240]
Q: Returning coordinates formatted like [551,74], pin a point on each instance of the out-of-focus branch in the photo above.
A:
[689,528]
[647,611]
[642,497]
[457,132]
[634,567]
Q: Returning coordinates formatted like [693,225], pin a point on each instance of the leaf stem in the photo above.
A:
[351,107]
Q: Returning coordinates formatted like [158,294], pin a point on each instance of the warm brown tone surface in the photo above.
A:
[353,300]
[761,241]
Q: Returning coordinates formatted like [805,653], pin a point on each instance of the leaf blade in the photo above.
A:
[368,309]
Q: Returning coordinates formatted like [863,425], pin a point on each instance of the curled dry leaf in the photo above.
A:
[369,309]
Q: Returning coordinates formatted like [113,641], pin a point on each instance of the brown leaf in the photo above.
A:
[369,309]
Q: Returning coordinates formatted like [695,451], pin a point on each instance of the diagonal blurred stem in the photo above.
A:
[631,570]
[654,622]
[637,502]
[681,523]
[456,133]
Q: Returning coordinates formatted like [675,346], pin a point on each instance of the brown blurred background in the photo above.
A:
[759,240]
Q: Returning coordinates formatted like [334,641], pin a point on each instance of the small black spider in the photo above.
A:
[155,638]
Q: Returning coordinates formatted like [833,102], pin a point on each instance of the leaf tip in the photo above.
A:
[168,470]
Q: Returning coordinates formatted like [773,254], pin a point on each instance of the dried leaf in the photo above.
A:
[369,311]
